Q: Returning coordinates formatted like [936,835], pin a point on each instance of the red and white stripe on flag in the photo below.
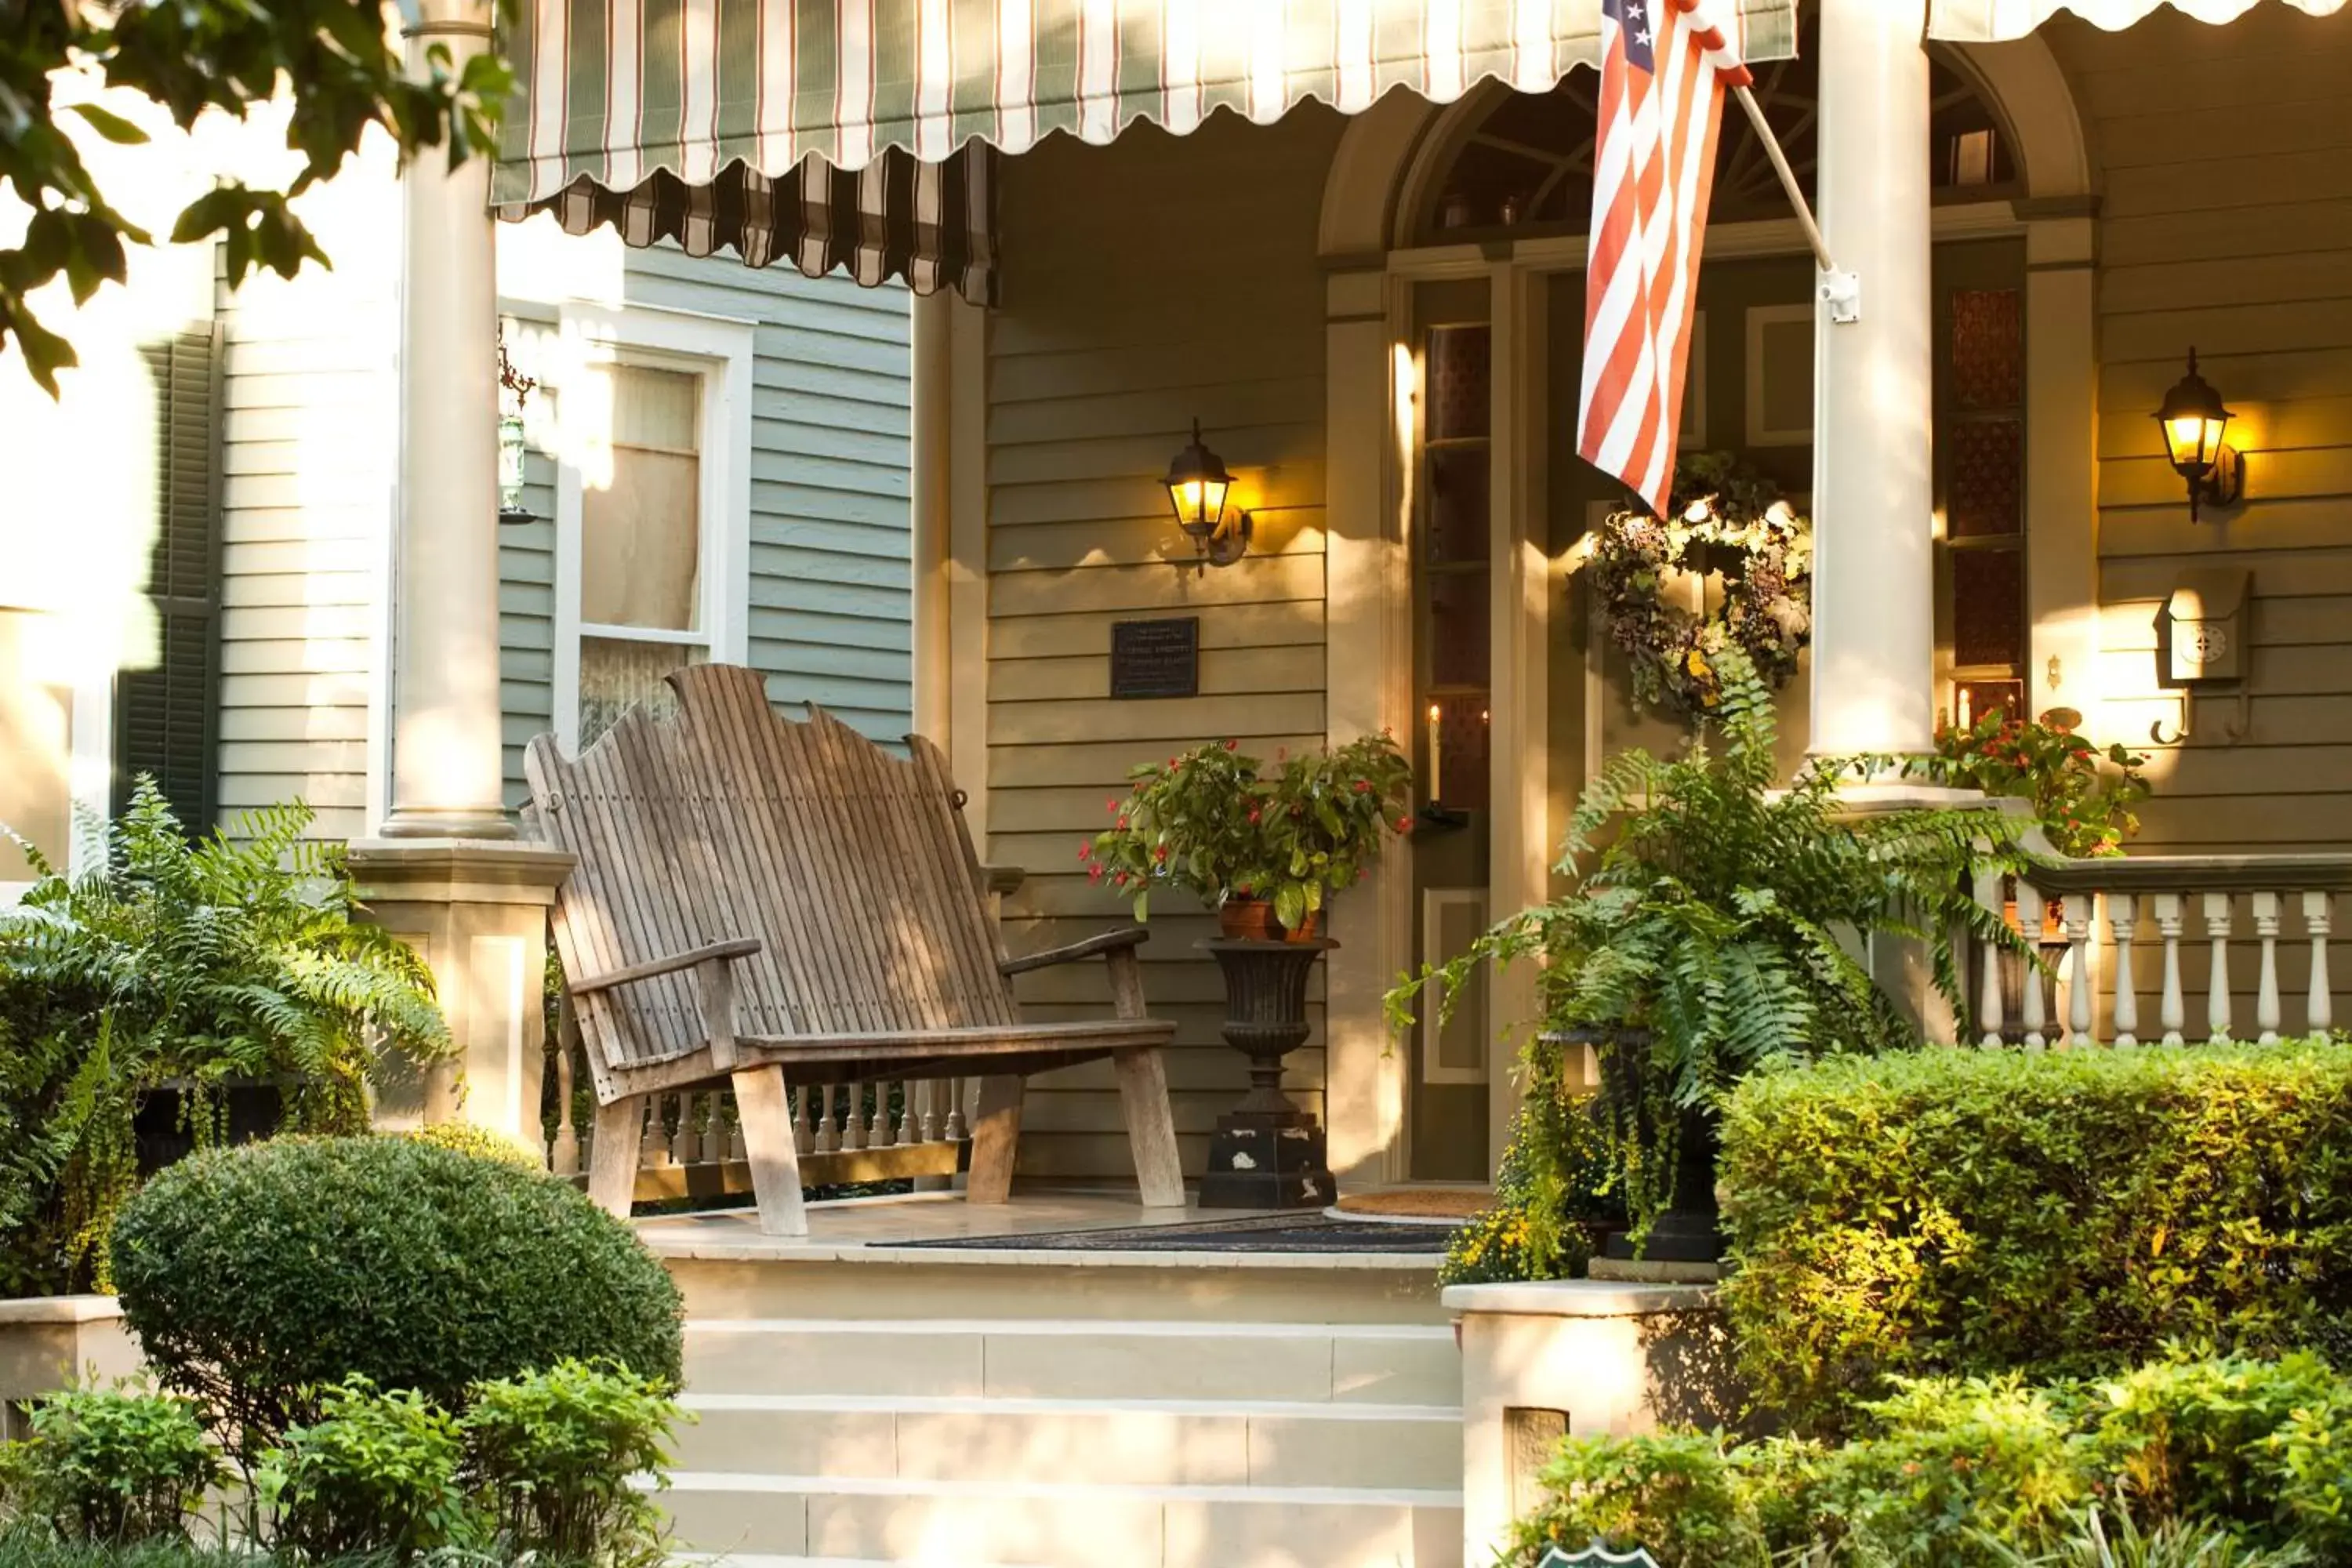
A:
[1664,65]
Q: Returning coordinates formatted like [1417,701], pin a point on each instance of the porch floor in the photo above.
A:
[880,1229]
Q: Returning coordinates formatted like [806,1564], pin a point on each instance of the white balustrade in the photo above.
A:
[2100,905]
[700,1130]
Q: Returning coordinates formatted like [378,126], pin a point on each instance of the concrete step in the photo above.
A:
[1052,1525]
[1382,1363]
[1107,1442]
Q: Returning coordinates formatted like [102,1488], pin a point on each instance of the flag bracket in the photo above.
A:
[1841,294]
[1839,291]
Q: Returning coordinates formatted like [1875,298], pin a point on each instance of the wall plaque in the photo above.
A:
[1156,658]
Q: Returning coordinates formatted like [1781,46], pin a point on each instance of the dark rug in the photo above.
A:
[1270,1233]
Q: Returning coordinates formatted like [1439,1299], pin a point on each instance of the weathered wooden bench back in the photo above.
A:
[726,820]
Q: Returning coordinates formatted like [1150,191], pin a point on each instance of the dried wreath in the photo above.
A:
[1729,521]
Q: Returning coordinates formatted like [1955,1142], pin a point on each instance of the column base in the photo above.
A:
[477,909]
[473,824]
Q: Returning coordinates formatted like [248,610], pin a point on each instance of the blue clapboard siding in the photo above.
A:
[831,574]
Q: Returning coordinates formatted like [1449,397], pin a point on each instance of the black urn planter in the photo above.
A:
[1267,1153]
[1691,1228]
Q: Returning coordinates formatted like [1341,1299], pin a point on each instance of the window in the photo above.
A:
[652,509]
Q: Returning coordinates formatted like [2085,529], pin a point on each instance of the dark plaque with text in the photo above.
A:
[1156,658]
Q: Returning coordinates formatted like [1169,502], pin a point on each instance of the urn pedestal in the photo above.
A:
[1267,1153]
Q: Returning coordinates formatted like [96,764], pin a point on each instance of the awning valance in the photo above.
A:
[650,97]
[1992,21]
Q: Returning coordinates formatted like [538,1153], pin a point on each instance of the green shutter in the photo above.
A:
[166,715]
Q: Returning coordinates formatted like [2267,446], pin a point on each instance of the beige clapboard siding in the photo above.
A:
[2226,222]
[1119,328]
[309,409]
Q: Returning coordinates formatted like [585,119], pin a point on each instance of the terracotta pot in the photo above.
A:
[1252,919]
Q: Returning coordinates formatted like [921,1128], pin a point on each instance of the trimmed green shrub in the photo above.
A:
[1677,1495]
[1991,1473]
[112,1465]
[2059,1215]
[254,1275]
[376,1472]
[549,1455]
[482,1143]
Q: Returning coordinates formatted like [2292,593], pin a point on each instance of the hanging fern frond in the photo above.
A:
[1724,919]
[234,955]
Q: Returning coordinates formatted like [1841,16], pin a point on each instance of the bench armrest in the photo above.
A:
[1125,939]
[654,968]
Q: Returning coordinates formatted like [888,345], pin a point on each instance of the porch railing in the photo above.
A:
[2134,942]
[846,1133]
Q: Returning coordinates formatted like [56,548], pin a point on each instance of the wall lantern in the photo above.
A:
[2194,422]
[1198,485]
[514,388]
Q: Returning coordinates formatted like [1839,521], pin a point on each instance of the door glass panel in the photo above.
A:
[1987,608]
[1459,477]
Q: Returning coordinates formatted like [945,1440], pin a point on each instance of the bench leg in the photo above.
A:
[613,1159]
[768,1142]
[1150,1127]
[996,1139]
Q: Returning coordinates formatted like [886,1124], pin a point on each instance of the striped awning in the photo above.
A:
[1992,21]
[721,122]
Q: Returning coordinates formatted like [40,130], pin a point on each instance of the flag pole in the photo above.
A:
[1788,178]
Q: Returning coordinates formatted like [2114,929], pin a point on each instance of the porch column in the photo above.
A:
[446,872]
[1874,485]
[445,758]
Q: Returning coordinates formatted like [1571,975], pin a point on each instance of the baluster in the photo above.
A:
[2123,928]
[878,1129]
[853,1117]
[1988,1007]
[714,1128]
[911,1126]
[2082,981]
[683,1137]
[564,1159]
[2217,974]
[2172,1012]
[959,1129]
[804,1120]
[828,1135]
[2029,907]
[654,1143]
[736,1151]
[2266,993]
[2318,918]
[931,1089]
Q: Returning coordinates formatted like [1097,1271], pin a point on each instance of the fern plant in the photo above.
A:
[1709,927]
[185,964]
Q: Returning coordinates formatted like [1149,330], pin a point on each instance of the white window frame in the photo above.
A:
[90,762]
[718,350]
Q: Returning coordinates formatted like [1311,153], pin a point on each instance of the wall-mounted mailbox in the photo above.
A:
[2207,615]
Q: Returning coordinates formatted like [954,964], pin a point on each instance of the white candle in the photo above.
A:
[1436,766]
[1964,708]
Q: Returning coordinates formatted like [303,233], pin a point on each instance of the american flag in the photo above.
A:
[1664,65]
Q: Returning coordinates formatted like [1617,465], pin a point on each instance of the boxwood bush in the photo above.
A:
[1966,1212]
[256,1276]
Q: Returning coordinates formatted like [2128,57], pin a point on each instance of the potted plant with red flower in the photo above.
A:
[1264,851]
[1267,851]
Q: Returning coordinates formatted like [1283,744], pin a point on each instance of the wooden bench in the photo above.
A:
[778,904]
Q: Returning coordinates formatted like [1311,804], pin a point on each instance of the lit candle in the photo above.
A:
[1436,766]
[1964,707]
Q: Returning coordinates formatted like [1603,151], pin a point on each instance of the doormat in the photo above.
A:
[1433,1204]
[1308,1232]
